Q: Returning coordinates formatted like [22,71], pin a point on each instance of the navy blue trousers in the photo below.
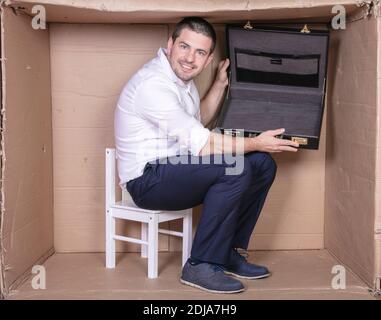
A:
[231,202]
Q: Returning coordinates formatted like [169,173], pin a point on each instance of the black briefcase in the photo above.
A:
[277,80]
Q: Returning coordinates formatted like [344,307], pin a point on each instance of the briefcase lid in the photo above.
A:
[277,64]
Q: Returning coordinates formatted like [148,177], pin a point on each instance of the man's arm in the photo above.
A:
[218,143]
[209,104]
[265,142]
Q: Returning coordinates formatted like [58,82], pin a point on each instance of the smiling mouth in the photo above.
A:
[186,67]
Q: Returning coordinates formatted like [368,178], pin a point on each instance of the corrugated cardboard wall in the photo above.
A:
[28,186]
[2,262]
[378,165]
[90,65]
[352,129]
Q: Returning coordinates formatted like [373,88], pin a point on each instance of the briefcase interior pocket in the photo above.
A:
[277,69]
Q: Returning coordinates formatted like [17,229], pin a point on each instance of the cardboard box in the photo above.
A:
[59,90]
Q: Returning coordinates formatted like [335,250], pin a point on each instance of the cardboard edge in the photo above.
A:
[365,9]
[3,290]
[370,288]
[151,11]
[376,290]
[377,231]
[27,274]
[168,6]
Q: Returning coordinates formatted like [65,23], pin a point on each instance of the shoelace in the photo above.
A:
[242,253]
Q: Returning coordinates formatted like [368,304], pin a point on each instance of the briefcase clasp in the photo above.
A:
[300,140]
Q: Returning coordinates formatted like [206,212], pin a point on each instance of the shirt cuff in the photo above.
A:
[198,138]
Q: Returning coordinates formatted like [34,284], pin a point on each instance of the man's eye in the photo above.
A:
[183,46]
[201,53]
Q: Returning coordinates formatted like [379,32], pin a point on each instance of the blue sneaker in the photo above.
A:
[209,277]
[239,267]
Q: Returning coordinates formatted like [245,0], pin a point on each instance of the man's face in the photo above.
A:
[189,54]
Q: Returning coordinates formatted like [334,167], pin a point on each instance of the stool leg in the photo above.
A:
[144,237]
[153,238]
[110,241]
[187,236]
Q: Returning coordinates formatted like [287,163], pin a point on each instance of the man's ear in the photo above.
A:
[169,46]
[210,58]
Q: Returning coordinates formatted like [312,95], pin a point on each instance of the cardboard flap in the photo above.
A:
[171,11]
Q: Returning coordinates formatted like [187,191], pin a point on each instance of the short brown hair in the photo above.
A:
[198,25]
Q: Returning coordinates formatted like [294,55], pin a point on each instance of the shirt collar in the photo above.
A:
[162,54]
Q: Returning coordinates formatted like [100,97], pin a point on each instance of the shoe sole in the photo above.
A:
[208,290]
[245,277]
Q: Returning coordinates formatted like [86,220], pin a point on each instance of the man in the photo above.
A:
[160,120]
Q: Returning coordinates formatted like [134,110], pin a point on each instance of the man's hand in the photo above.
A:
[222,77]
[267,142]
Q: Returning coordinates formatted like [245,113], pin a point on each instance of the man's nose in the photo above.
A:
[190,56]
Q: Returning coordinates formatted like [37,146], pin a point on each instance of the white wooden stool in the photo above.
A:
[150,219]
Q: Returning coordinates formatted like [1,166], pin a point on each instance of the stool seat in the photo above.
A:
[126,209]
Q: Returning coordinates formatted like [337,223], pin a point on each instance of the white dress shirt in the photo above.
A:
[157,116]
